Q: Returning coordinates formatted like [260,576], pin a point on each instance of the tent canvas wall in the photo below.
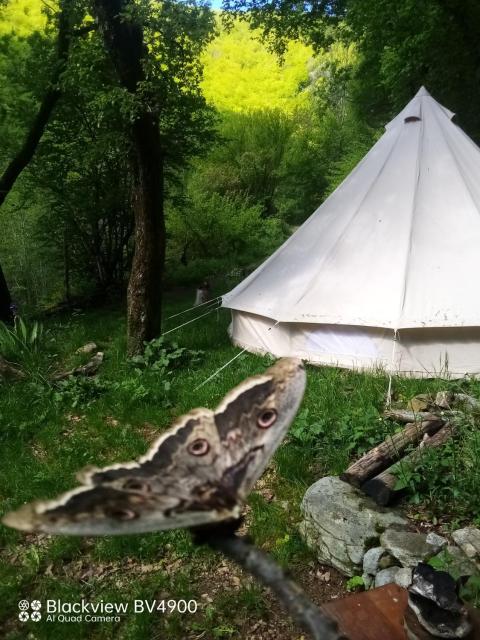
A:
[385,271]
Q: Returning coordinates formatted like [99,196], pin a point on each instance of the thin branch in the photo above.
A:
[267,571]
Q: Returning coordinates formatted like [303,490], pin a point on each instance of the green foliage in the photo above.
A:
[447,479]
[74,200]
[405,46]
[470,591]
[22,17]
[24,345]
[241,75]
[79,390]
[306,433]
[20,341]
[217,233]
[355,583]
[160,355]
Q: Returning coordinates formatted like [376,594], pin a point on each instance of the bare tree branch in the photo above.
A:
[269,573]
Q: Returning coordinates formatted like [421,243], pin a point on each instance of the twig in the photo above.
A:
[265,569]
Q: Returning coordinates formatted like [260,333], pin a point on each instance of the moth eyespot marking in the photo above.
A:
[199,447]
[136,485]
[266,418]
[122,514]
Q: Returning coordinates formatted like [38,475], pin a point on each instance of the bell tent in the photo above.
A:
[384,273]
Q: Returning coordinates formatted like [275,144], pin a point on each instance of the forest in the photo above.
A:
[147,148]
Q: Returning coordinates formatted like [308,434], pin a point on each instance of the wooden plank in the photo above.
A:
[371,615]
[378,614]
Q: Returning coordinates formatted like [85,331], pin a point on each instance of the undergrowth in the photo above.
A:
[49,431]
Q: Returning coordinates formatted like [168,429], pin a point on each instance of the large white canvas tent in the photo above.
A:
[385,273]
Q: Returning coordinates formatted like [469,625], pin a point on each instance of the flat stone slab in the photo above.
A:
[341,523]
[386,576]
[436,540]
[409,548]
[468,539]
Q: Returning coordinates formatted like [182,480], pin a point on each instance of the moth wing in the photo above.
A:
[253,419]
[175,484]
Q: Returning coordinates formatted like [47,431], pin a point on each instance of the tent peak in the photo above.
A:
[416,109]
[422,92]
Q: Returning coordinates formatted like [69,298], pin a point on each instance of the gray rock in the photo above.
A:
[88,348]
[371,559]
[468,540]
[367,581]
[435,540]
[386,576]
[403,577]
[340,523]
[407,547]
[444,399]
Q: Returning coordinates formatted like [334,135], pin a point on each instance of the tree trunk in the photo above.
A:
[124,41]
[6,314]
[383,455]
[66,265]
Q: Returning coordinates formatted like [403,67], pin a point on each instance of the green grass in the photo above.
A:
[46,436]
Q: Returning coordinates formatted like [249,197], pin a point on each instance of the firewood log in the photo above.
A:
[382,487]
[383,455]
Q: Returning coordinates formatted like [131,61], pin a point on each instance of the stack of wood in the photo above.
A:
[429,422]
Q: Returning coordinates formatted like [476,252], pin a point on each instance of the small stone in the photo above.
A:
[444,399]
[88,348]
[371,560]
[324,577]
[407,547]
[367,581]
[403,577]
[468,539]
[386,576]
[436,541]
[419,403]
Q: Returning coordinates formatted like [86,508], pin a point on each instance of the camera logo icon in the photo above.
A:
[25,605]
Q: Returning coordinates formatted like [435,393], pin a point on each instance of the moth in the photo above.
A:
[198,472]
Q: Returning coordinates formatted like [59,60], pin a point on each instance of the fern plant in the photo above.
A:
[22,344]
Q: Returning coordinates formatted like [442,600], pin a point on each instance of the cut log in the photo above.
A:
[88,369]
[401,415]
[383,455]
[382,487]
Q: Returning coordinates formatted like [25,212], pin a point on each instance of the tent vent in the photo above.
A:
[411,119]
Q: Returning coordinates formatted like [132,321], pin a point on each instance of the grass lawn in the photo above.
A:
[48,434]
